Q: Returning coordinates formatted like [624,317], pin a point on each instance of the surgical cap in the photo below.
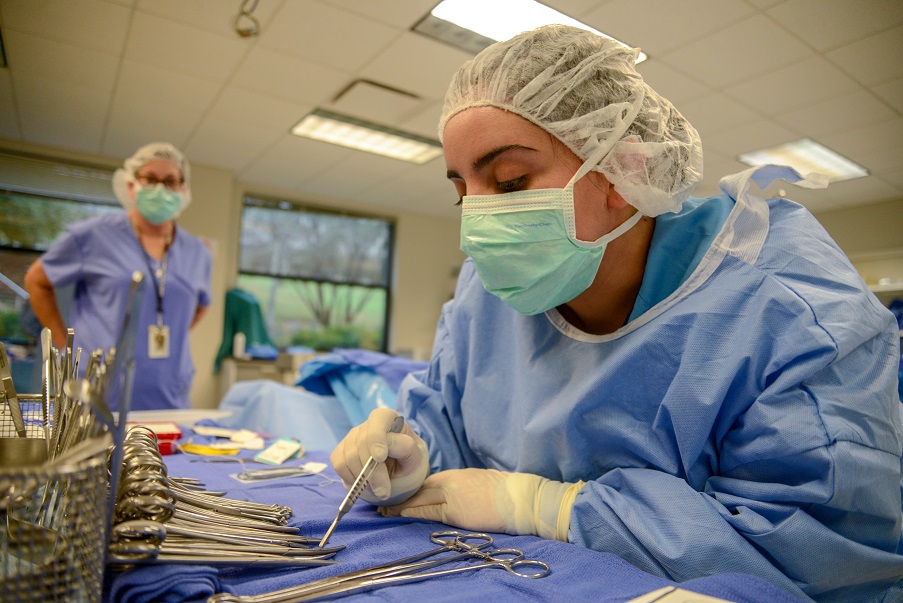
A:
[143,156]
[584,89]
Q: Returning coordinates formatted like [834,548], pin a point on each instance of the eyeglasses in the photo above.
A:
[170,183]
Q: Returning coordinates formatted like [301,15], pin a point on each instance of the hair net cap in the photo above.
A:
[584,89]
[150,152]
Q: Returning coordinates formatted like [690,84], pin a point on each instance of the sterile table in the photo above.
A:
[578,574]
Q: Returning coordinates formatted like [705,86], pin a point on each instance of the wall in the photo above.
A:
[426,255]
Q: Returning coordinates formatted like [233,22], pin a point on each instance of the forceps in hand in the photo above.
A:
[359,484]
[405,570]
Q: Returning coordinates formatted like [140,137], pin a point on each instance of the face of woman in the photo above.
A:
[490,151]
[159,171]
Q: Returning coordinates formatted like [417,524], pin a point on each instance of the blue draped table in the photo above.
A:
[370,539]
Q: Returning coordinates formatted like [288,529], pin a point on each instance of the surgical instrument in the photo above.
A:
[359,484]
[404,570]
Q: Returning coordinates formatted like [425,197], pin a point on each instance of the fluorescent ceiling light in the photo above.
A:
[353,133]
[494,20]
[807,156]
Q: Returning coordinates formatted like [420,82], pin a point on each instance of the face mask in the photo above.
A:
[525,248]
[156,203]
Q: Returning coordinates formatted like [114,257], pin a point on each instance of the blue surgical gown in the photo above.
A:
[745,419]
[98,256]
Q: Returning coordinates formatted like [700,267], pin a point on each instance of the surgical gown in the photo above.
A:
[746,421]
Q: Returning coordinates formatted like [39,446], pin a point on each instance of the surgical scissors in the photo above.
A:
[405,570]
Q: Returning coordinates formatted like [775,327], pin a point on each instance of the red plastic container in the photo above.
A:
[167,435]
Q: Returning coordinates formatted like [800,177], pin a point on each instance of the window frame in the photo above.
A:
[284,204]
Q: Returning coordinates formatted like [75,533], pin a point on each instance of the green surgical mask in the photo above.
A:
[156,203]
[525,248]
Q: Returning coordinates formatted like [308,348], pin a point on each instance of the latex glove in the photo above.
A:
[403,458]
[486,500]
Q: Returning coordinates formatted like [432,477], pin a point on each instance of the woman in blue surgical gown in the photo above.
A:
[697,385]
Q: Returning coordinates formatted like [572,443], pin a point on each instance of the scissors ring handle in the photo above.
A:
[502,555]
[458,540]
[527,568]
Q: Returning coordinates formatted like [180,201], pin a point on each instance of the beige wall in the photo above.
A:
[426,256]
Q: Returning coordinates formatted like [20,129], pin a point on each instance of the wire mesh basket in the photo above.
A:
[54,514]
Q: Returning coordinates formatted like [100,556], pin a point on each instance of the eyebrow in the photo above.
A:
[486,159]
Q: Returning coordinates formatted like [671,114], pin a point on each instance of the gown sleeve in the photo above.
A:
[805,490]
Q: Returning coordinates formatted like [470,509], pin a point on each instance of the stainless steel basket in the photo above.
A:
[54,514]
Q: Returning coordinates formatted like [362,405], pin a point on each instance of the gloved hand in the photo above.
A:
[487,500]
[403,457]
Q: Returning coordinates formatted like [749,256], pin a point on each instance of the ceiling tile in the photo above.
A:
[674,86]
[837,114]
[747,49]
[258,110]
[186,49]
[749,137]
[228,144]
[416,64]
[883,162]
[862,142]
[215,16]
[139,121]
[675,23]
[851,193]
[41,58]
[367,169]
[873,60]
[9,125]
[827,24]
[149,84]
[91,24]
[347,43]
[715,167]
[288,78]
[575,8]
[893,178]
[426,122]
[292,160]
[892,93]
[763,4]
[715,112]
[794,86]
[368,101]
[60,114]
[400,14]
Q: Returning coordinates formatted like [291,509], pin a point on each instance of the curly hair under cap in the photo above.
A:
[584,89]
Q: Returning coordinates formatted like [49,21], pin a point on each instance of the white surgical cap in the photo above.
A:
[584,89]
[143,156]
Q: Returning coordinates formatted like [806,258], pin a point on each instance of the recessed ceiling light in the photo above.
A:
[358,134]
[472,25]
[807,156]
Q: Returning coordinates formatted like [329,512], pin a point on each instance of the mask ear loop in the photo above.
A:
[594,160]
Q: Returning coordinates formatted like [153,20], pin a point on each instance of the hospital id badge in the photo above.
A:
[158,341]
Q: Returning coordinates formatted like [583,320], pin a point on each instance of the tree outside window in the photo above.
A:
[322,278]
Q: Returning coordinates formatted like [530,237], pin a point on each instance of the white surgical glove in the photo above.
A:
[487,500]
[403,458]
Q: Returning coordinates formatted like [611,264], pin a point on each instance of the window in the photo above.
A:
[322,278]
[38,199]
